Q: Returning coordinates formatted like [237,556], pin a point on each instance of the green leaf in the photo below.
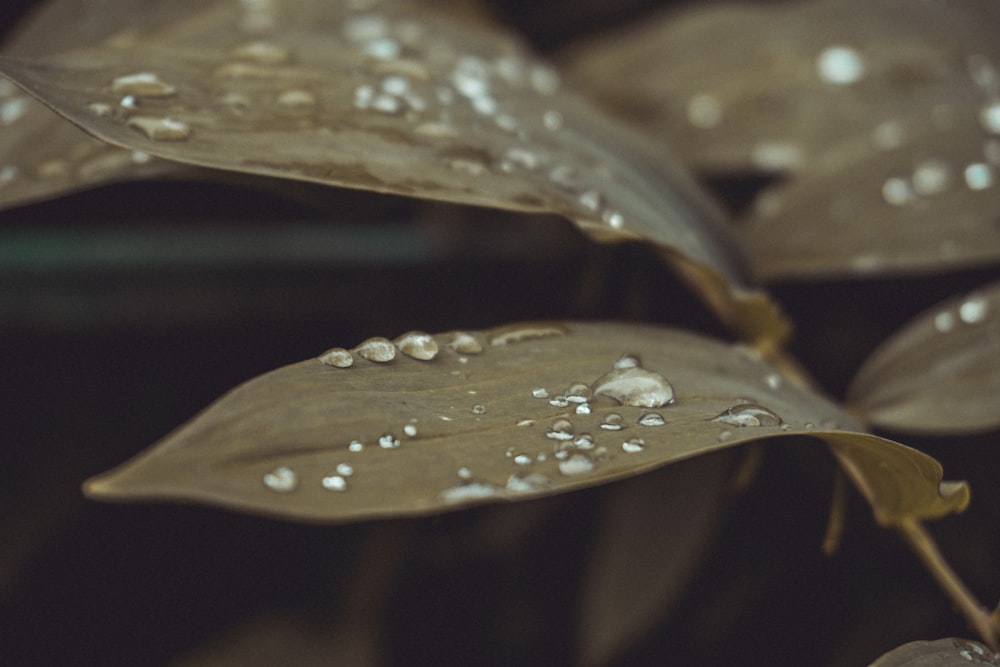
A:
[939,653]
[402,99]
[940,374]
[516,412]
[883,122]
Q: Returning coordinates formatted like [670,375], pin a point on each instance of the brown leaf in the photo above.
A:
[401,99]
[939,653]
[884,117]
[940,374]
[499,415]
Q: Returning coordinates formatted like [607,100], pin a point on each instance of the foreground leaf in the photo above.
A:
[403,100]
[517,412]
[939,653]
[883,117]
[938,375]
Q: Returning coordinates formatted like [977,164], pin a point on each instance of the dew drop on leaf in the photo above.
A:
[334,483]
[561,429]
[636,387]
[652,419]
[160,129]
[337,357]
[748,414]
[376,349]
[633,445]
[464,343]
[578,464]
[612,422]
[418,345]
[143,84]
[281,480]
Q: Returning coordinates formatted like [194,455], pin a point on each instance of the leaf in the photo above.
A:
[352,437]
[939,653]
[940,374]
[403,100]
[884,118]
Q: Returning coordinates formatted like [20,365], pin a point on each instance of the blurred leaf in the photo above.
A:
[939,653]
[885,117]
[321,441]
[940,374]
[402,99]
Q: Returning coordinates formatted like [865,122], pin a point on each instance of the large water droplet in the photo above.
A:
[633,445]
[973,311]
[337,357]
[464,343]
[635,386]
[281,480]
[561,429]
[578,464]
[377,349]
[418,345]
[160,129]
[142,84]
[748,414]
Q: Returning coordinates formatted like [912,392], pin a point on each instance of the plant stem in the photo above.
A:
[978,617]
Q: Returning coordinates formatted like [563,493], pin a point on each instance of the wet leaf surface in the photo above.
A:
[939,653]
[884,118]
[518,420]
[401,100]
[940,374]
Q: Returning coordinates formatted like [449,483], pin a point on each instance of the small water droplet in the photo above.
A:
[99,109]
[774,381]
[840,65]
[464,473]
[385,48]
[337,357]
[931,177]
[651,419]
[973,311]
[334,483]
[418,345]
[388,441]
[559,401]
[552,120]
[989,117]
[138,157]
[612,422]
[584,441]
[526,422]
[724,436]
[944,321]
[142,84]
[266,53]
[748,414]
[888,135]
[478,409]
[578,464]
[129,102]
[592,200]
[979,176]
[296,98]
[527,483]
[540,392]
[410,430]
[704,111]
[583,409]
[469,491]
[356,446]
[521,157]
[8,174]
[627,361]
[464,343]
[613,219]
[777,156]
[565,177]
[160,129]
[633,445]
[561,429]
[281,480]
[544,79]
[523,460]
[578,392]
[377,349]
[518,333]
[635,386]
[897,191]
[14,109]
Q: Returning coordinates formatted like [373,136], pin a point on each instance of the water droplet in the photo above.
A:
[8,174]
[613,219]
[559,401]
[388,441]
[931,177]
[470,491]
[651,419]
[418,345]
[99,109]
[578,392]
[14,109]
[724,436]
[888,135]
[464,343]
[704,111]
[464,473]
[540,392]
[377,349]
[356,446]
[478,409]
[142,84]
[748,414]
[518,333]
[410,430]
[552,120]
[385,48]
[612,422]
[774,381]
[337,357]
[129,102]
[138,157]
[635,386]
[897,191]
[526,422]
[386,104]
[266,53]
[523,460]
[944,321]
[334,483]
[989,117]
[161,129]
[281,480]
[591,200]
[544,79]
[584,441]
[561,429]
[840,65]
[471,167]
[527,483]
[627,361]
[979,176]
[578,464]
[973,311]
[633,445]
[296,98]
[583,409]
[777,156]
[522,157]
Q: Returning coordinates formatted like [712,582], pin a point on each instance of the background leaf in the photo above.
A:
[881,118]
[313,441]
[940,374]
[939,653]
[402,100]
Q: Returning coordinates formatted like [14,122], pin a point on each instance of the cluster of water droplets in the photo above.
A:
[974,310]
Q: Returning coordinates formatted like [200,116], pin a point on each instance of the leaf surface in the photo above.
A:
[542,408]
[401,99]
[883,118]
[940,374]
[939,653]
